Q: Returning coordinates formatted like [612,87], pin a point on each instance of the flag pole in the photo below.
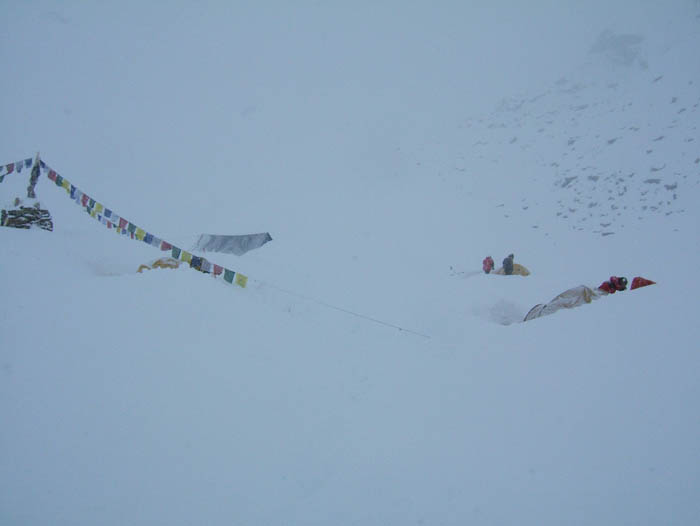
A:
[36,171]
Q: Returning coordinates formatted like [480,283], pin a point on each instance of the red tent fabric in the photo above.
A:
[641,282]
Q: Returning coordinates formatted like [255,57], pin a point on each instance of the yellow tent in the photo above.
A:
[160,263]
[517,269]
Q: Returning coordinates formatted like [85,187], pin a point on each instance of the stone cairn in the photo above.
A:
[23,216]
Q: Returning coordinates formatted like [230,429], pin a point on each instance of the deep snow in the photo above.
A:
[169,397]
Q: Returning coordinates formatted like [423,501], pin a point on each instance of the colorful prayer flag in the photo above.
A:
[122,226]
[241,280]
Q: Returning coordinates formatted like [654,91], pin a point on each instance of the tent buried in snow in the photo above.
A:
[576,297]
[518,270]
[566,300]
[237,245]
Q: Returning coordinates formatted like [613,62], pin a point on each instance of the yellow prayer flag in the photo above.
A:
[140,234]
[99,208]
[65,184]
[241,280]
[186,257]
[93,213]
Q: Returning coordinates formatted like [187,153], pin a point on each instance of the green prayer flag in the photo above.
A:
[228,275]
[176,253]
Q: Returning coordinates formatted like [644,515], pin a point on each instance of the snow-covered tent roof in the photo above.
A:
[568,299]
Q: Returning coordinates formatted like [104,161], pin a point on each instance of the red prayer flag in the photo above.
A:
[122,223]
[218,270]
[165,246]
[10,168]
[52,175]
[84,200]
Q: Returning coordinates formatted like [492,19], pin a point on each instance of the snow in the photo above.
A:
[369,373]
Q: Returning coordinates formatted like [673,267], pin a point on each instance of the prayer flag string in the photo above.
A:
[124,227]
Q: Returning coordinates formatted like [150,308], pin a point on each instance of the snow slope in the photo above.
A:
[169,397]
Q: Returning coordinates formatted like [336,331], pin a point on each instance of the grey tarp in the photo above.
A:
[238,245]
[566,300]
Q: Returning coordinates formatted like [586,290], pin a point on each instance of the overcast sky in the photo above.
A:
[185,79]
[119,94]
